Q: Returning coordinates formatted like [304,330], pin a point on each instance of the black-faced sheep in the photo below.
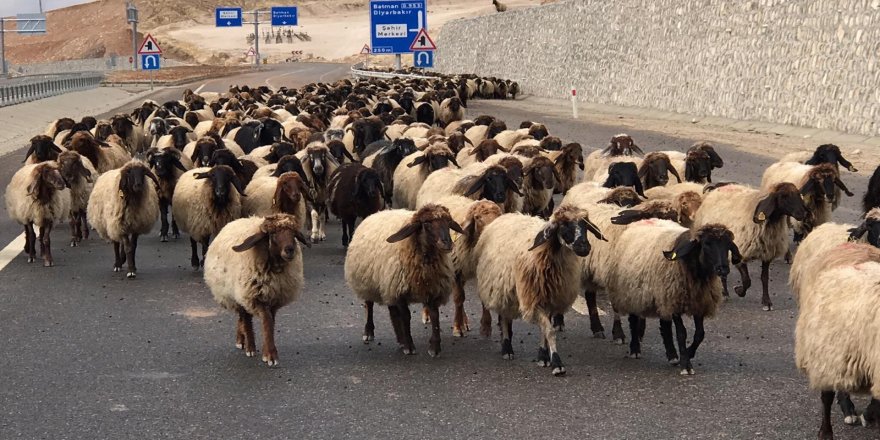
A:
[104,156]
[759,223]
[478,181]
[168,165]
[567,161]
[79,175]
[655,170]
[37,196]
[205,200]
[620,145]
[529,268]
[871,199]
[41,149]
[255,268]
[479,153]
[539,181]
[354,191]
[408,179]
[399,257]
[124,205]
[386,160]
[451,109]
[624,174]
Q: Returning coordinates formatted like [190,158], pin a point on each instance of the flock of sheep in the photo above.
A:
[253,174]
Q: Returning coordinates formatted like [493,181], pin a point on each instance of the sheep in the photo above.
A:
[539,180]
[124,205]
[594,193]
[41,149]
[409,179]
[826,153]
[57,126]
[528,268]
[203,203]
[451,110]
[479,153]
[398,257]
[697,163]
[134,140]
[285,164]
[478,181]
[620,145]
[759,222]
[284,194]
[654,170]
[836,327]
[571,156]
[365,131]
[513,200]
[37,196]
[623,174]
[319,165]
[664,270]
[79,175]
[479,133]
[354,191]
[385,162]
[200,151]
[817,186]
[168,165]
[508,138]
[871,199]
[255,268]
[245,167]
[104,156]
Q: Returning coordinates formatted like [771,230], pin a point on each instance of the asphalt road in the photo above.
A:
[88,354]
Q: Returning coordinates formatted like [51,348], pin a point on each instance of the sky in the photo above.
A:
[12,7]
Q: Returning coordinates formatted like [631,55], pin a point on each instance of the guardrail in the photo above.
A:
[24,89]
[358,72]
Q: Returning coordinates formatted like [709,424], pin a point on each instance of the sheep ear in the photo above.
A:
[807,188]
[302,239]
[681,250]
[512,185]
[452,159]
[456,227]
[417,161]
[846,164]
[643,171]
[856,233]
[29,152]
[640,189]
[595,230]
[628,216]
[152,177]
[83,171]
[843,187]
[673,171]
[470,229]
[478,185]
[178,164]
[548,232]
[404,232]
[250,242]
[237,184]
[765,209]
[32,188]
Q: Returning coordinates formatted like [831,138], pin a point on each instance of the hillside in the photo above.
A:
[330,30]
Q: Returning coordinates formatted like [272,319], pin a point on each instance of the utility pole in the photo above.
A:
[256,23]
[3,48]
[132,15]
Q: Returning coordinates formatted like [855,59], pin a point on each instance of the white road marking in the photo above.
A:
[11,251]
[200,88]
[283,74]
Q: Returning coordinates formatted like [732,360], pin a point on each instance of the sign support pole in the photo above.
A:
[397,62]
[256,13]
[151,79]
[574,106]
[3,48]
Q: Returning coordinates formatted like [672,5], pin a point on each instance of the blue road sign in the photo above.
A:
[284,16]
[394,24]
[228,17]
[423,59]
[150,61]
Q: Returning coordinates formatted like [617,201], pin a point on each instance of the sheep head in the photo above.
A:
[435,157]
[687,204]
[221,177]
[871,225]
[277,238]
[429,227]
[514,169]
[179,136]
[46,179]
[368,185]
[705,252]
[550,143]
[72,167]
[622,196]
[204,150]
[133,180]
[655,170]
[709,149]
[291,163]
[289,190]
[163,162]
[485,149]
[624,174]
[571,153]
[621,145]
[542,173]
[829,153]
[339,152]
[820,182]
[537,131]
[568,227]
[43,148]
[659,209]
[782,200]
[479,215]
[279,149]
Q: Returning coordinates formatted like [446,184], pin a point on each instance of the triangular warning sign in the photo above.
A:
[365,50]
[423,41]
[149,46]
[251,52]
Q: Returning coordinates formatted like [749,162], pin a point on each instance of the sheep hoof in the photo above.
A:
[767,308]
[117,269]
[634,355]
[72,243]
[863,421]
[270,361]
[687,372]
[409,351]
[507,356]
[559,371]
[740,291]
[176,235]
[239,345]
[131,275]
[163,238]
[618,341]
[599,335]
[432,353]
[673,361]
[30,259]
[48,264]
[852,420]
[456,332]
[368,338]
[250,354]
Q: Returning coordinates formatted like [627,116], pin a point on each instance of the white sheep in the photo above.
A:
[836,332]
[80,175]
[104,156]
[123,206]
[759,222]
[255,268]
[205,200]
[529,268]
[398,257]
[621,146]
[268,195]
[37,196]
[414,169]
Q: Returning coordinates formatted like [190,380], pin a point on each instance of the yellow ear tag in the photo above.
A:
[761,216]
[673,256]
[455,235]
[121,194]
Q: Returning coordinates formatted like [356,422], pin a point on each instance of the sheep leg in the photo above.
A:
[434,342]
[558,322]
[619,337]
[681,336]
[506,337]
[485,322]
[635,342]
[459,322]
[118,255]
[643,324]
[30,245]
[75,232]
[543,359]
[85,224]
[593,310]
[825,432]
[347,232]
[765,286]
[194,253]
[163,216]
[270,352]
[204,251]
[45,242]
[244,338]
[175,231]
[130,244]
[872,413]
[848,408]
[394,314]
[746,280]
[549,331]
[699,335]
[666,334]
[406,327]
[369,328]
[724,291]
